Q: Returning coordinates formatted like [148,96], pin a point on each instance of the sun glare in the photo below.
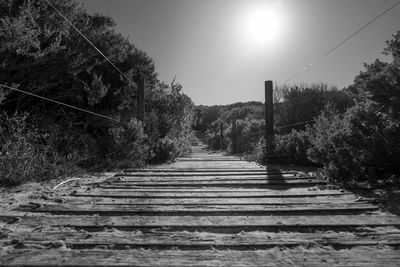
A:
[264,25]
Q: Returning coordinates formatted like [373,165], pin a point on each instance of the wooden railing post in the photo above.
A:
[269,119]
[216,137]
[221,136]
[140,98]
[234,136]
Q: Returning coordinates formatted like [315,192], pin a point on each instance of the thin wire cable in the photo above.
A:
[298,123]
[342,42]
[84,37]
[304,122]
[61,103]
[98,50]
[294,124]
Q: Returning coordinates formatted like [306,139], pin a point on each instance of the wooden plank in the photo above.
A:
[222,159]
[190,209]
[215,222]
[201,170]
[122,179]
[190,189]
[227,183]
[216,173]
[197,240]
[314,256]
[224,165]
[216,201]
[204,193]
[213,164]
[202,167]
[186,176]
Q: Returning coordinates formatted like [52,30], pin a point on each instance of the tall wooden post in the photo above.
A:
[221,136]
[140,99]
[234,140]
[269,119]
[216,137]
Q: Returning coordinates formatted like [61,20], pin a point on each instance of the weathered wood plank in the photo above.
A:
[249,174]
[241,222]
[216,201]
[189,189]
[157,180]
[172,169]
[213,159]
[204,193]
[185,178]
[211,164]
[201,240]
[313,256]
[217,183]
[190,209]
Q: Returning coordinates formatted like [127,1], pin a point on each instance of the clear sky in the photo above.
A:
[220,54]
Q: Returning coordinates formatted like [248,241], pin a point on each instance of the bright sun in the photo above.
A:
[264,25]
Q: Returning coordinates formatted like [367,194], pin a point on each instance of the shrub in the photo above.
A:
[363,145]
[292,148]
[25,154]
[258,154]
[248,132]
[288,149]
[168,148]
[128,146]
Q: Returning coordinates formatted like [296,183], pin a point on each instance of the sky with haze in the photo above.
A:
[214,51]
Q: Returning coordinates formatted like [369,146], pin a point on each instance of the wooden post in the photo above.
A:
[140,99]
[221,136]
[216,137]
[269,119]
[234,144]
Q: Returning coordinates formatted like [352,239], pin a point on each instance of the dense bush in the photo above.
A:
[258,154]
[128,147]
[359,146]
[168,148]
[289,148]
[25,153]
[248,132]
[292,148]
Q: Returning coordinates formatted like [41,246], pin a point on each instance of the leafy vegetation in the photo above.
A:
[42,54]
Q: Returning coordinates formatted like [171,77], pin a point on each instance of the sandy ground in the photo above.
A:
[44,192]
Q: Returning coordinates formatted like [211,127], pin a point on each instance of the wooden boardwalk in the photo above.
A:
[206,210]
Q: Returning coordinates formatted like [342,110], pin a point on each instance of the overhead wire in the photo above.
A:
[341,43]
[61,103]
[293,124]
